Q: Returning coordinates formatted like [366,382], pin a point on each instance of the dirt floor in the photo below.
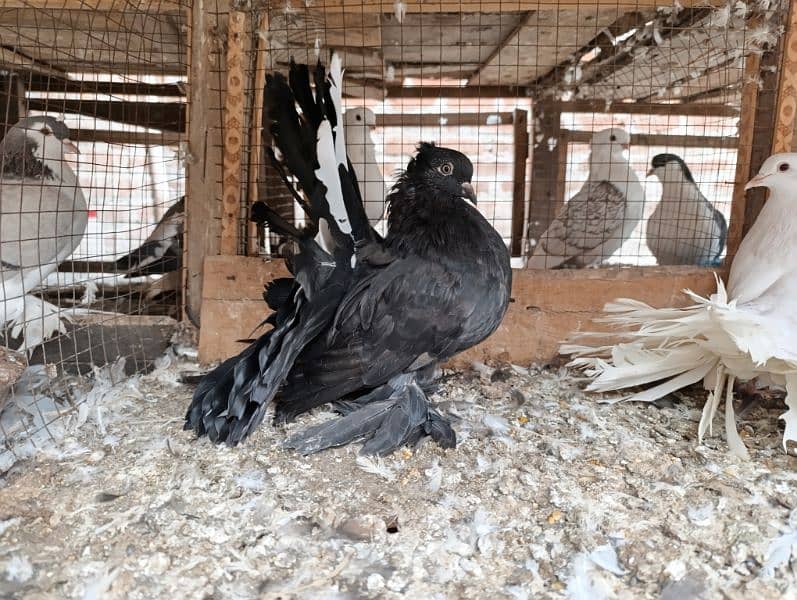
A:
[549,494]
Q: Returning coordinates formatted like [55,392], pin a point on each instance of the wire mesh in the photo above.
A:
[524,89]
[93,118]
[457,77]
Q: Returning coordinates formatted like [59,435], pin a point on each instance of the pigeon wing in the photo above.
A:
[591,217]
[39,224]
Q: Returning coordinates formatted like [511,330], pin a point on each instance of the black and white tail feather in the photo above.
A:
[233,399]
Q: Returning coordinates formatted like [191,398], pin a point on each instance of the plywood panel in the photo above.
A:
[547,39]
[547,305]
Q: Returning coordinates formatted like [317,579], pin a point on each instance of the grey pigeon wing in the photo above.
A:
[39,224]
[591,217]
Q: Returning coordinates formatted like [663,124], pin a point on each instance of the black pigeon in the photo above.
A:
[162,251]
[365,321]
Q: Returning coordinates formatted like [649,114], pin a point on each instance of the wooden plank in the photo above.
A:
[39,83]
[169,116]
[96,340]
[787,88]
[546,38]
[232,302]
[444,119]
[256,129]
[520,135]
[547,305]
[203,168]
[141,138]
[746,141]
[152,6]
[233,134]
[10,108]
[681,141]
[482,91]
[509,39]
[645,108]
[12,60]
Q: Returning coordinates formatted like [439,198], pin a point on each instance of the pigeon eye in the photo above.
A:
[45,131]
[446,168]
[613,138]
[783,167]
[359,118]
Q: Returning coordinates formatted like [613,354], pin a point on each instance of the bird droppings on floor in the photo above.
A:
[549,494]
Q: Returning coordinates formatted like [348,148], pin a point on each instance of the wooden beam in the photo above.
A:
[158,115]
[139,138]
[19,62]
[547,305]
[43,83]
[746,141]
[481,91]
[684,141]
[652,108]
[520,135]
[444,119]
[787,88]
[547,182]
[161,7]
[203,166]
[10,107]
[256,128]
[233,134]
[511,38]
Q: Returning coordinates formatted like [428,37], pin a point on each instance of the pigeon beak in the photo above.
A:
[651,171]
[69,146]
[469,193]
[757,181]
[626,146]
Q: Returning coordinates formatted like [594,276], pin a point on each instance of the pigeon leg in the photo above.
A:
[38,321]
[385,423]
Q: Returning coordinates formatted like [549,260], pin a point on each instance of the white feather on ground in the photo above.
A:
[748,331]
[595,222]
[685,228]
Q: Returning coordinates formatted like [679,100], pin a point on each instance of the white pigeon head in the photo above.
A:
[610,142]
[359,117]
[779,170]
[48,136]
[670,168]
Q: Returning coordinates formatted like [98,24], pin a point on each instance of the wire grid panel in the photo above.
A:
[92,114]
[456,77]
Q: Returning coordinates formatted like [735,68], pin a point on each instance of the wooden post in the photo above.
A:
[10,102]
[520,135]
[746,139]
[233,134]
[203,160]
[547,184]
[256,127]
[787,87]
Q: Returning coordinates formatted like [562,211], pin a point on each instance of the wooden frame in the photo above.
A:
[547,305]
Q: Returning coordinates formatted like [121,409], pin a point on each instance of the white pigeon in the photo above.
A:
[43,216]
[359,122]
[595,222]
[746,332]
[685,228]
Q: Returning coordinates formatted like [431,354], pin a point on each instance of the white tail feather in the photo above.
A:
[336,91]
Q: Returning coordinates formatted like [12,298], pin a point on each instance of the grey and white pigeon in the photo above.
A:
[162,251]
[685,228]
[595,222]
[359,122]
[43,216]
[745,331]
